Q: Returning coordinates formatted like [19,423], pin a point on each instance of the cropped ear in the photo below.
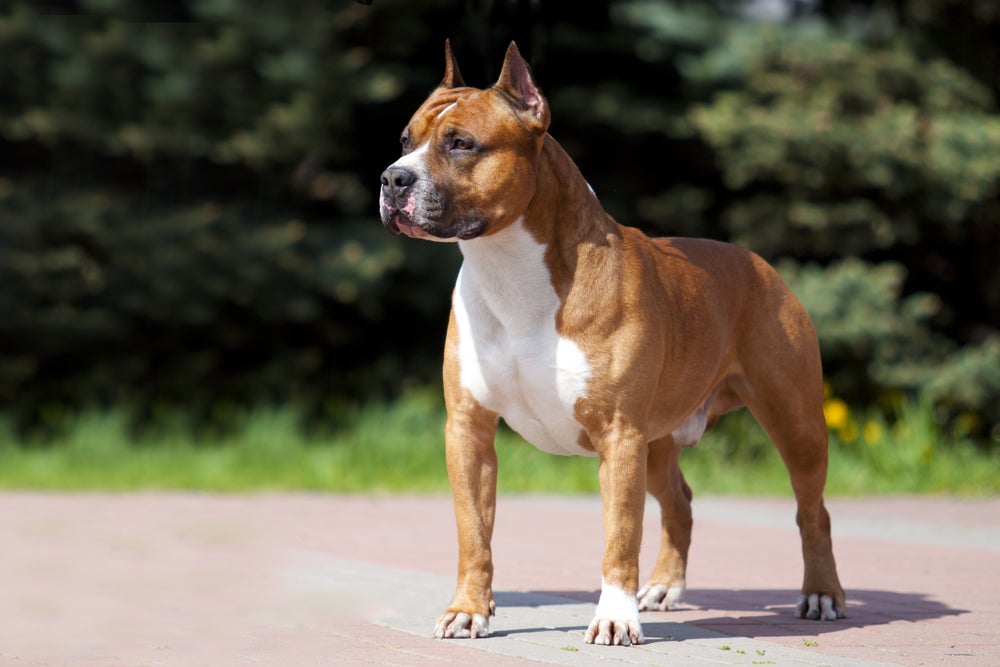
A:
[452,77]
[516,82]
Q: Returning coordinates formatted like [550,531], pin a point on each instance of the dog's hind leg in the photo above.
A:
[787,401]
[803,447]
[665,482]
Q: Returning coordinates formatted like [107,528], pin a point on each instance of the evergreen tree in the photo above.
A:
[188,189]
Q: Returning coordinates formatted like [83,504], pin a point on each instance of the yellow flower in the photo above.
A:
[871,432]
[837,413]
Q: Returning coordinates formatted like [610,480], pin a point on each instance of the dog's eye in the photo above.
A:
[461,144]
[405,141]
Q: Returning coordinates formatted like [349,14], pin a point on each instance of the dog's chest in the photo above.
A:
[511,356]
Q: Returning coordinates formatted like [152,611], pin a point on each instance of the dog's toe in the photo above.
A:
[609,632]
[817,606]
[459,625]
[660,597]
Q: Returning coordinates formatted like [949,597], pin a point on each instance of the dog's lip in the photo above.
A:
[392,215]
[397,222]
[394,220]
[389,222]
[405,226]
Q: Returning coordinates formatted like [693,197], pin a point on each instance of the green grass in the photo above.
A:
[399,447]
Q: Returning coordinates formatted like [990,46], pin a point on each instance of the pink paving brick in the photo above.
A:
[187,579]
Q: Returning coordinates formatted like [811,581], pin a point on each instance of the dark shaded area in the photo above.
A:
[188,189]
[866,608]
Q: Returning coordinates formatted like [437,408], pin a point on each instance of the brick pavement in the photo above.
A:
[295,579]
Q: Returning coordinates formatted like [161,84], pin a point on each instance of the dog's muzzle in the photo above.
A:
[398,208]
[396,205]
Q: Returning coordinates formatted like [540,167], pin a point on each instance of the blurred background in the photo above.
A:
[188,189]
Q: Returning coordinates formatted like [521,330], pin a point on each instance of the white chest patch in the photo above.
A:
[512,358]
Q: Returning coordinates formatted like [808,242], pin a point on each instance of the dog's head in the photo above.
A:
[469,158]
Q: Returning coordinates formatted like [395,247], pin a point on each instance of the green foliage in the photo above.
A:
[188,190]
[183,216]
[374,448]
[846,146]
[874,339]
[833,142]
[399,447]
[226,85]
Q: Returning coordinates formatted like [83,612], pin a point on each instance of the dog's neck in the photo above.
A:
[542,250]
[506,274]
[561,187]
[581,225]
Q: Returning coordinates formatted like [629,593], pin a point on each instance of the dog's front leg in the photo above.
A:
[472,471]
[623,490]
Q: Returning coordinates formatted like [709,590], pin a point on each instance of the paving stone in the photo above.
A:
[304,579]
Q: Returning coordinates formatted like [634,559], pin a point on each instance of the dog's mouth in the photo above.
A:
[397,217]
[400,213]
[397,221]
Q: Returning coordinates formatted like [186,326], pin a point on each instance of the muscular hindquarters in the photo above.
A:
[736,336]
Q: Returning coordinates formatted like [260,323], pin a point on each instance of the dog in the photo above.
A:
[589,338]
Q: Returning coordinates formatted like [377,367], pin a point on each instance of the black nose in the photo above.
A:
[397,179]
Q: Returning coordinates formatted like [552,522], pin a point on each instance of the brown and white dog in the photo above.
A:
[590,338]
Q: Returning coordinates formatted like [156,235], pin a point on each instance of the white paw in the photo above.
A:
[459,625]
[616,619]
[660,597]
[816,607]
[608,632]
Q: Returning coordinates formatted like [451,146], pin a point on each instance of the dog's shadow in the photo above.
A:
[769,612]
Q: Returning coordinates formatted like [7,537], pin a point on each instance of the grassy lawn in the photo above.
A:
[399,447]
